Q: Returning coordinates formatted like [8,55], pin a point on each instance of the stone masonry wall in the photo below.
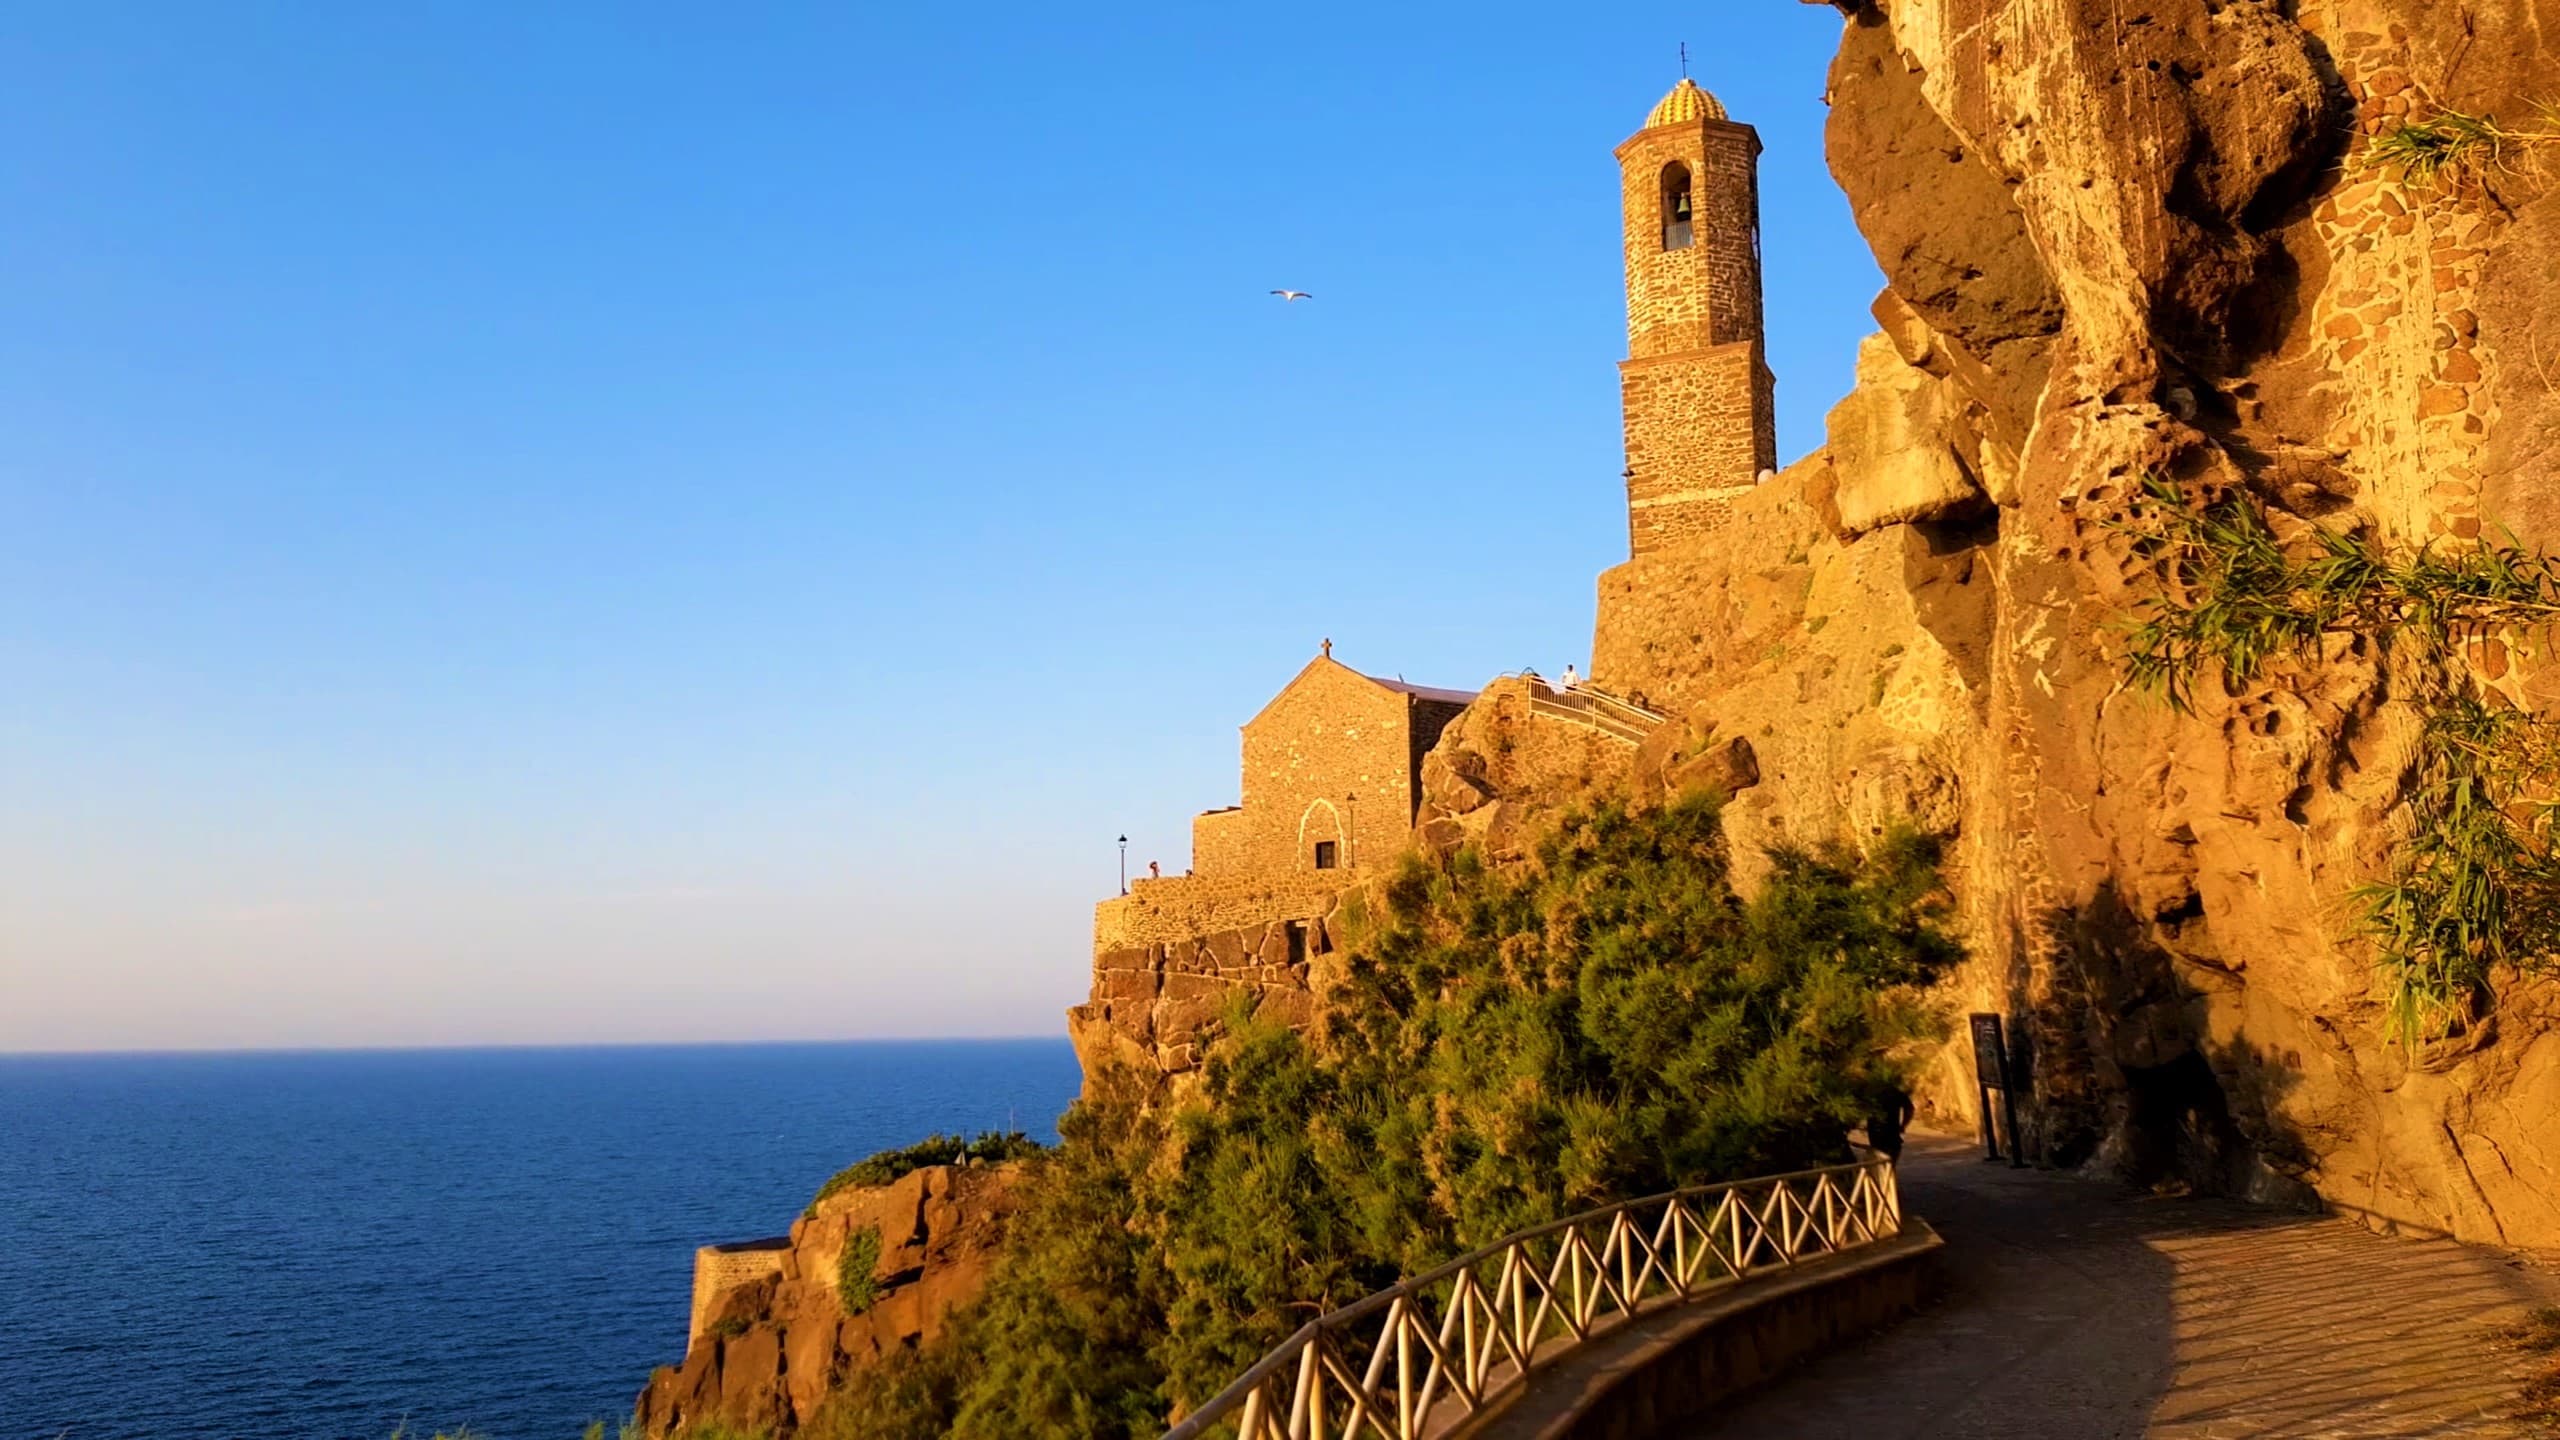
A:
[1181,907]
[1156,1006]
[1698,434]
[2395,329]
[1707,293]
[720,1270]
[1221,842]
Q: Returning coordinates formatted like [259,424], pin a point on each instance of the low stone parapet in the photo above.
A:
[1185,907]
[720,1271]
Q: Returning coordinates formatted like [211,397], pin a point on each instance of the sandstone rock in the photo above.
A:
[750,1378]
[1898,785]
[783,1340]
[1891,457]
[1938,214]
[1727,768]
[2120,248]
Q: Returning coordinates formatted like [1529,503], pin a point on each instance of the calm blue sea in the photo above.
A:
[237,1247]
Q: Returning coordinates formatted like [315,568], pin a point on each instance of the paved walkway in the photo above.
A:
[2076,1309]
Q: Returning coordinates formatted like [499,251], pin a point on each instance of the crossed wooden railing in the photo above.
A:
[1413,1361]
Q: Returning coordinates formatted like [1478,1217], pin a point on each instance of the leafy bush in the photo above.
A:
[856,1286]
[1510,1045]
[887,1167]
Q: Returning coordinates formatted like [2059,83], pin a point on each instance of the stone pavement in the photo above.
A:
[2073,1308]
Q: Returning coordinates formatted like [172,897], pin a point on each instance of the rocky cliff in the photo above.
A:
[2123,243]
[773,1326]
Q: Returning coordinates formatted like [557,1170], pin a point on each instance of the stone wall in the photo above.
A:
[721,1270]
[1221,842]
[1180,907]
[2395,328]
[1156,1006]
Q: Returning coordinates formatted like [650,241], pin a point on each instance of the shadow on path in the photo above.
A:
[2074,1308]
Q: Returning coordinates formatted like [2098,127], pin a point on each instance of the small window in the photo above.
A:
[1675,206]
[1324,855]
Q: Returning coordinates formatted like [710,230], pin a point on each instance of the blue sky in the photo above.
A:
[597,522]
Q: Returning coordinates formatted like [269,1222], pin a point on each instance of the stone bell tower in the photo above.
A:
[1701,425]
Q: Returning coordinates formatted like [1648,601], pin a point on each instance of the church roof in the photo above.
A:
[1423,692]
[1684,104]
[1326,662]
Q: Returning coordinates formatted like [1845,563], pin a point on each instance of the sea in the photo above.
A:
[345,1244]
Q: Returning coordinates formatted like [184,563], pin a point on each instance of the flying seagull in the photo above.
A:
[1292,297]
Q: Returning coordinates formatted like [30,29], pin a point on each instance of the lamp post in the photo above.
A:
[1124,864]
[1351,861]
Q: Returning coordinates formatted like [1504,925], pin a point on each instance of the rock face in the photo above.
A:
[1521,752]
[1893,460]
[2123,244]
[771,1329]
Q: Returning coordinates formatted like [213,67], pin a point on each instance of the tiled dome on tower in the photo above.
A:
[1685,103]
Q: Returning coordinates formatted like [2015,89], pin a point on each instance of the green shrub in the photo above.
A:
[1509,1045]
[887,1167]
[856,1286]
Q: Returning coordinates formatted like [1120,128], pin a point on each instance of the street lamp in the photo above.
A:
[1351,801]
[1124,864]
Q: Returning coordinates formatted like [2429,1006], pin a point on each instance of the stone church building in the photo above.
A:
[1332,773]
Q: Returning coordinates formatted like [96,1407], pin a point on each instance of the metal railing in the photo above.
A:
[1626,710]
[1414,1361]
[1603,713]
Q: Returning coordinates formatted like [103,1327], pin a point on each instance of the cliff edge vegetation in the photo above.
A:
[1511,1044]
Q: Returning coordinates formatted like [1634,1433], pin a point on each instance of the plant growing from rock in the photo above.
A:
[2448,146]
[2475,885]
[856,1287]
[887,1167]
